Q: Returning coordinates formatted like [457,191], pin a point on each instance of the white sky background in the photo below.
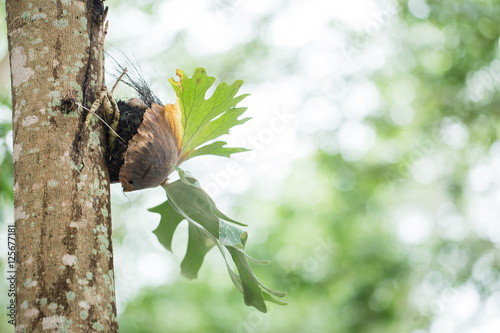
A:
[288,108]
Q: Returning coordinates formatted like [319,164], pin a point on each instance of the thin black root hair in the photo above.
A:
[134,78]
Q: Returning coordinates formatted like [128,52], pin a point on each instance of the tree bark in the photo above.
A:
[65,279]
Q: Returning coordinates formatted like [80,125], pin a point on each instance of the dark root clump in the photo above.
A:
[130,119]
[131,115]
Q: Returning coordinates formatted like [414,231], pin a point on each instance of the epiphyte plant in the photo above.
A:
[147,141]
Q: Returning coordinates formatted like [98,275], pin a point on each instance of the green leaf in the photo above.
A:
[191,202]
[268,297]
[252,293]
[216,148]
[208,227]
[256,261]
[231,236]
[199,243]
[189,180]
[186,177]
[196,120]
[242,264]
[218,127]
[169,221]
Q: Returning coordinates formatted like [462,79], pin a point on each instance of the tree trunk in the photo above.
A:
[65,279]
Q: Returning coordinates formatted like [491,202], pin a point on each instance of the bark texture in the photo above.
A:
[65,278]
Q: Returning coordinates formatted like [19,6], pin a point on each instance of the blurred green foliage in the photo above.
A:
[389,240]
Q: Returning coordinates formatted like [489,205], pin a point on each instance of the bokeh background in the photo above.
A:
[373,185]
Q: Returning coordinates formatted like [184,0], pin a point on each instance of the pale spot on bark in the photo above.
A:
[19,214]
[84,305]
[30,120]
[16,187]
[16,151]
[17,114]
[69,259]
[20,73]
[55,62]
[42,110]
[80,5]
[31,313]
[65,156]
[36,186]
[53,322]
[32,284]
[15,31]
[60,24]
[78,224]
[53,183]
[20,328]
[91,296]
[29,261]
